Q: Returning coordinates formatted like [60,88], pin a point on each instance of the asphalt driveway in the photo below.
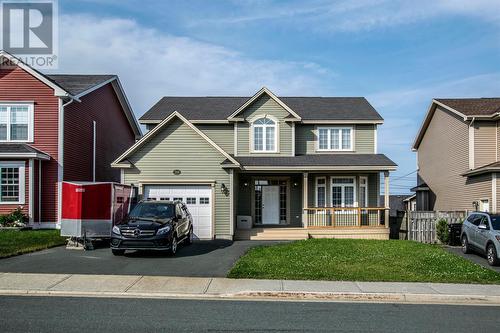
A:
[475,257]
[202,259]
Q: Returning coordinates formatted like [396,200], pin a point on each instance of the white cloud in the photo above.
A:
[356,15]
[152,64]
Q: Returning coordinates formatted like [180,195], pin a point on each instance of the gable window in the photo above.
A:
[335,138]
[16,122]
[12,183]
[264,135]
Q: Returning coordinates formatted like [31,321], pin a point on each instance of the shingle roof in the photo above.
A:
[492,167]
[318,160]
[308,108]
[19,149]
[76,84]
[473,106]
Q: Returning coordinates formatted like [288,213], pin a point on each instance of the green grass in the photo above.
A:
[14,242]
[359,260]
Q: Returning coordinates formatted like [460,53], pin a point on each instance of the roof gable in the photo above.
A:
[121,162]
[58,90]
[259,93]
[465,108]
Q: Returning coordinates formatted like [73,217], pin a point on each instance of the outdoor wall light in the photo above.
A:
[245,184]
[224,189]
[295,184]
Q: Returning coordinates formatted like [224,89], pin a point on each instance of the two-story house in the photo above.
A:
[56,128]
[295,166]
[458,151]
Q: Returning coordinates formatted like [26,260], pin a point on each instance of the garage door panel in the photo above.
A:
[200,203]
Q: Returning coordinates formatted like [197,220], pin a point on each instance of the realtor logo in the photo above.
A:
[29,31]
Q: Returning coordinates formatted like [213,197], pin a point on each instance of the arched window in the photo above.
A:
[264,135]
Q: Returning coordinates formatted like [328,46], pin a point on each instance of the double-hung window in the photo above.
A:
[335,138]
[16,122]
[12,182]
[343,192]
[363,191]
[321,192]
[264,135]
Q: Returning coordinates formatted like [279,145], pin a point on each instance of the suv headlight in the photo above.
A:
[164,230]
[116,230]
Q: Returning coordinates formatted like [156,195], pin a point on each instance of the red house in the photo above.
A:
[56,128]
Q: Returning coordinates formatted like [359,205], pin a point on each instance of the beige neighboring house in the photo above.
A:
[458,155]
[265,167]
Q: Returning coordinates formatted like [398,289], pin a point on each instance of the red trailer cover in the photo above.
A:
[87,201]
[92,209]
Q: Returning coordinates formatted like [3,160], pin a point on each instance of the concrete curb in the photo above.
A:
[281,296]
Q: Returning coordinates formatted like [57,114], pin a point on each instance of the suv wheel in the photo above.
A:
[491,255]
[465,245]
[189,238]
[118,252]
[173,245]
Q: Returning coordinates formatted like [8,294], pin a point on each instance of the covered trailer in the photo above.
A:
[91,209]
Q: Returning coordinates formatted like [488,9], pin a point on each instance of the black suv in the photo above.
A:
[153,225]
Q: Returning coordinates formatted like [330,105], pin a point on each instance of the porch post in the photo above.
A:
[386,198]
[304,199]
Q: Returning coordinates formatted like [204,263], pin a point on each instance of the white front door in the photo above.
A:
[198,199]
[271,204]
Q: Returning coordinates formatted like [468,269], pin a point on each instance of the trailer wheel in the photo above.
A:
[118,252]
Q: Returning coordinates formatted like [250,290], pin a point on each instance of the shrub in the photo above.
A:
[16,218]
[442,231]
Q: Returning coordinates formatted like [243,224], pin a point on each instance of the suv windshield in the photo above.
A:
[495,222]
[153,210]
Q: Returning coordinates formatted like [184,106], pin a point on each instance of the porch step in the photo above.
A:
[271,234]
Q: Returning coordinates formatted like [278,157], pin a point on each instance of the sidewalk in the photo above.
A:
[222,288]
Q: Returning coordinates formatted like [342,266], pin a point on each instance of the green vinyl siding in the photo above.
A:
[364,138]
[265,105]
[178,147]
[221,134]
[306,139]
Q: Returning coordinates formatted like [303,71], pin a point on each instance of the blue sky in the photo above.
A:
[398,54]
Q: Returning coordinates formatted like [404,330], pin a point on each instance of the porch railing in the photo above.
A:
[337,217]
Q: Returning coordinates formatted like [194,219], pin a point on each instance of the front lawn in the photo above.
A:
[18,242]
[359,260]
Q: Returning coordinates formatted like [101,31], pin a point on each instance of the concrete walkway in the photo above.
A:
[133,286]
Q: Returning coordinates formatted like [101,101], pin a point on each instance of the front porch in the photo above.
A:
[336,204]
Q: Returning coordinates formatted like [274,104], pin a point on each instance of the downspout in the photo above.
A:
[471,143]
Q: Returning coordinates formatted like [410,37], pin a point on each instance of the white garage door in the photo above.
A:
[198,199]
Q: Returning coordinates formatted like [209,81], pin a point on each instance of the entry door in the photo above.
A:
[271,204]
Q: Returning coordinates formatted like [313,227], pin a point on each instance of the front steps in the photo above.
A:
[271,234]
[301,233]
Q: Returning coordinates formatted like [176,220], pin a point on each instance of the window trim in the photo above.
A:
[252,136]
[354,185]
[316,191]
[329,138]
[22,181]
[31,117]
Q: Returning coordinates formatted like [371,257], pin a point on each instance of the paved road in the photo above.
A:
[53,314]
[202,259]
[477,258]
